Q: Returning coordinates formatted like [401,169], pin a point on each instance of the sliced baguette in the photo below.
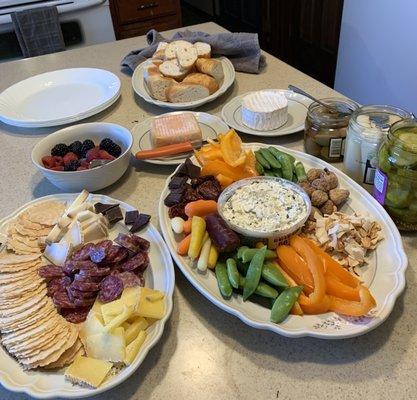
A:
[203,49]
[202,79]
[159,55]
[162,46]
[151,70]
[173,47]
[172,69]
[158,85]
[186,56]
[211,67]
[186,92]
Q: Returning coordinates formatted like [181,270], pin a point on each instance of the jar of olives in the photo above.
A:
[395,184]
[325,130]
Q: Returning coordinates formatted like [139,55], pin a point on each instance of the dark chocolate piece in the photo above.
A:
[181,189]
[182,170]
[177,181]
[140,222]
[173,198]
[103,208]
[131,217]
[193,171]
[114,215]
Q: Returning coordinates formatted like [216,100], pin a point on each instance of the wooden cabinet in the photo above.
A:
[137,17]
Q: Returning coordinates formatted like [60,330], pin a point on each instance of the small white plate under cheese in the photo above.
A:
[264,110]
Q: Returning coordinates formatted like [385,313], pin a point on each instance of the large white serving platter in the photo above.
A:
[159,275]
[58,97]
[384,274]
[139,86]
[297,112]
[211,126]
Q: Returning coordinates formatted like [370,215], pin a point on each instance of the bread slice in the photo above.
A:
[156,62]
[162,46]
[172,69]
[173,47]
[186,92]
[211,67]
[158,85]
[151,70]
[186,56]
[159,55]
[203,49]
[204,80]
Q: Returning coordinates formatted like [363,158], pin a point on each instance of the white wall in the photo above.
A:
[377,60]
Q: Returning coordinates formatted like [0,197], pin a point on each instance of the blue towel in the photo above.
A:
[38,31]
[242,49]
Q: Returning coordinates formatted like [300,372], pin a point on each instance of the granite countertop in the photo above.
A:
[204,352]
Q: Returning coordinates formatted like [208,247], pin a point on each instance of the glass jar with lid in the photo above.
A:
[325,131]
[367,129]
[395,184]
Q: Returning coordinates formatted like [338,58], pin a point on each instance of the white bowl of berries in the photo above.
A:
[87,156]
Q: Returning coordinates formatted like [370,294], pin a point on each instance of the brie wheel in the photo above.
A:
[264,110]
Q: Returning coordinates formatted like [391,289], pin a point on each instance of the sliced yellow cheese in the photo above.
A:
[151,304]
[89,371]
[107,346]
[133,348]
[125,326]
[97,307]
[91,326]
[150,321]
[129,298]
[118,320]
[131,333]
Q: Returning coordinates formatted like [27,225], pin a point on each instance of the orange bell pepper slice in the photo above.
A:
[250,164]
[354,308]
[308,307]
[315,266]
[224,180]
[333,266]
[217,167]
[337,288]
[295,266]
[231,149]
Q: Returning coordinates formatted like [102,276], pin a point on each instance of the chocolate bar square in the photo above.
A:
[140,223]
[193,171]
[103,208]
[131,217]
[173,198]
[177,181]
[114,215]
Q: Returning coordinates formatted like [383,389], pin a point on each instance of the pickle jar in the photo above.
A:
[367,129]
[395,184]
[325,131]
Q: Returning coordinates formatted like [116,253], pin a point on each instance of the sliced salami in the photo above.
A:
[83,253]
[97,255]
[58,284]
[62,300]
[75,316]
[138,262]
[133,243]
[130,279]
[78,294]
[116,254]
[72,266]
[50,271]
[111,289]
[85,286]
[96,272]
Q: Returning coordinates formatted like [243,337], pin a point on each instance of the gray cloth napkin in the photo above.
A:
[242,49]
[38,31]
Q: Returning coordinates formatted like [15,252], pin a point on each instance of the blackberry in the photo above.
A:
[75,147]
[60,150]
[87,145]
[111,147]
[72,165]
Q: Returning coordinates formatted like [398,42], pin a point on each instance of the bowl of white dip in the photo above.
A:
[264,207]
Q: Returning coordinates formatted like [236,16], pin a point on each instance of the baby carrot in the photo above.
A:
[200,208]
[187,226]
[184,245]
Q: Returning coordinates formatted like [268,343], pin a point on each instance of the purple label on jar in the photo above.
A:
[380,186]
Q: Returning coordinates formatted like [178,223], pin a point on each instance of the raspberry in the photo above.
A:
[69,157]
[72,165]
[48,161]
[57,168]
[104,155]
[112,148]
[87,145]
[58,160]
[93,154]
[81,168]
[75,147]
[60,150]
[85,164]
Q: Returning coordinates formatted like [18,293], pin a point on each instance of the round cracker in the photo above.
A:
[46,213]
[12,259]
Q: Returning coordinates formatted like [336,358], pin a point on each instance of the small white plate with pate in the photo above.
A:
[297,112]
[211,126]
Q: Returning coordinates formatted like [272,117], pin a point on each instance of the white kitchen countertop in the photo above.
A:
[205,353]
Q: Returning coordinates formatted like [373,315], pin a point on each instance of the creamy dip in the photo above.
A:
[265,206]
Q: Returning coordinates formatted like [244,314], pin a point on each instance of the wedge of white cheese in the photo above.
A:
[264,110]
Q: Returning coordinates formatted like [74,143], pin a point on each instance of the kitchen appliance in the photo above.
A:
[83,23]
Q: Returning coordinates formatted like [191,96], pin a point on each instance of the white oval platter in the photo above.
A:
[384,274]
[159,275]
[297,112]
[58,97]
[139,86]
[211,126]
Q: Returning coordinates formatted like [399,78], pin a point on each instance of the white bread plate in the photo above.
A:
[44,384]
[384,274]
[139,86]
[90,179]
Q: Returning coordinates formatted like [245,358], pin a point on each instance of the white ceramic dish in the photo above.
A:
[384,275]
[297,112]
[58,97]
[159,275]
[210,126]
[139,86]
[91,179]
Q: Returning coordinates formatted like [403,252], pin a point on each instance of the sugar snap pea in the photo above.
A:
[269,173]
[223,281]
[242,267]
[240,250]
[261,160]
[262,289]
[273,162]
[277,172]
[232,272]
[273,275]
[287,166]
[300,171]
[284,302]
[248,254]
[259,168]
[277,152]
[254,273]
